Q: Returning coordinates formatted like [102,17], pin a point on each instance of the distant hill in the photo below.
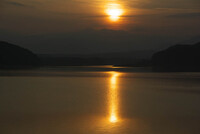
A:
[13,57]
[132,58]
[178,58]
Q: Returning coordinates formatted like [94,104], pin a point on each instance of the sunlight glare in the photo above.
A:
[114,11]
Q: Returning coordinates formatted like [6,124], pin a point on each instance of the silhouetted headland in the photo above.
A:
[178,58]
[15,57]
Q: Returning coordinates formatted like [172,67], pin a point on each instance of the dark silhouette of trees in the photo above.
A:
[178,58]
[13,57]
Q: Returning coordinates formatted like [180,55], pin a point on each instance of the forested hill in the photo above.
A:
[178,58]
[14,57]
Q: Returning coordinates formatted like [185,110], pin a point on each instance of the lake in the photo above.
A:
[99,100]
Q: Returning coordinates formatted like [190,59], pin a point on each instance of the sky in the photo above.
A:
[98,26]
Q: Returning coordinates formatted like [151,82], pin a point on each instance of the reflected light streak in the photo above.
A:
[113,95]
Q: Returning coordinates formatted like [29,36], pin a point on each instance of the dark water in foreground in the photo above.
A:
[99,101]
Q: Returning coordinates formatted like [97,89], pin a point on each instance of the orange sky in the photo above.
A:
[41,16]
[177,18]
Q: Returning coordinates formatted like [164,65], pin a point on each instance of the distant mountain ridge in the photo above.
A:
[13,57]
[178,58]
[131,58]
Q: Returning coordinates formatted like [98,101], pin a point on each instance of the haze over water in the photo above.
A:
[99,102]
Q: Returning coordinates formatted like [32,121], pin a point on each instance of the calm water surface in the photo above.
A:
[99,102]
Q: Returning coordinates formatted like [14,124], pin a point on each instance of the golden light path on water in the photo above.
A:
[114,11]
[113,98]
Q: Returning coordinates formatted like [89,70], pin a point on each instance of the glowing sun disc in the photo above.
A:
[114,11]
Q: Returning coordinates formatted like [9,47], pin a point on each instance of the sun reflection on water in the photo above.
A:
[113,96]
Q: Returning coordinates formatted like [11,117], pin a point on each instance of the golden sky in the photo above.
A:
[177,18]
[66,15]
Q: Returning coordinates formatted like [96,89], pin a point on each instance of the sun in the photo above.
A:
[114,14]
[114,11]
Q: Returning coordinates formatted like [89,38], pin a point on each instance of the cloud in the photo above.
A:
[185,15]
[157,4]
[16,3]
